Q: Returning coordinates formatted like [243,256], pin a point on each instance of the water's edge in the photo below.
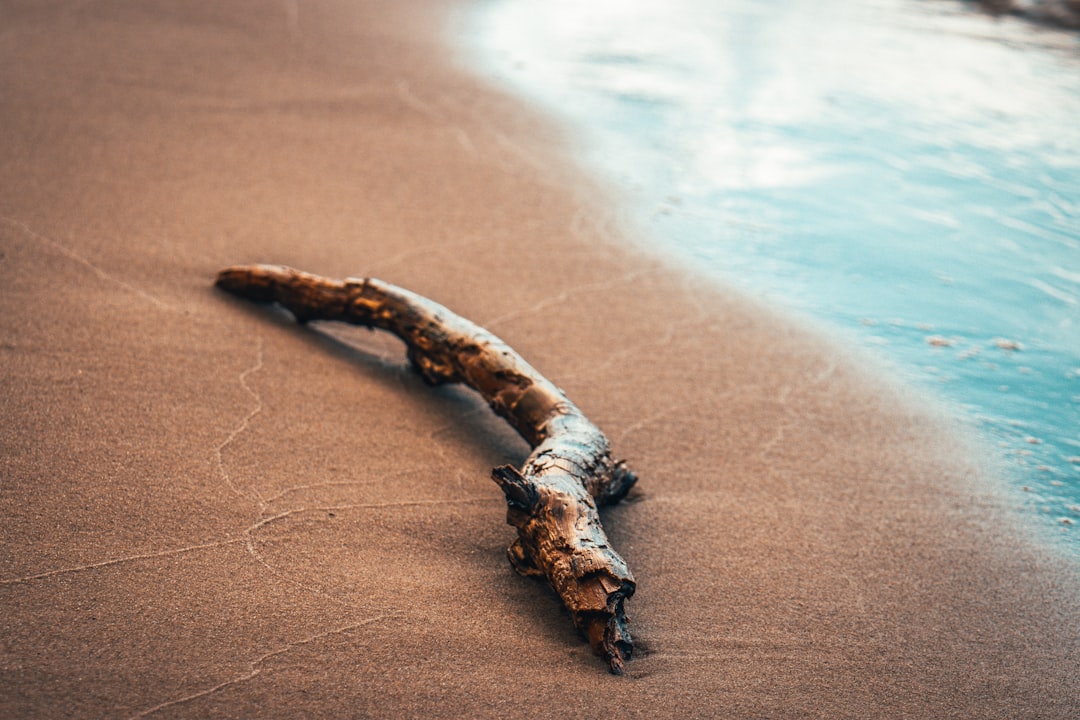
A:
[889,187]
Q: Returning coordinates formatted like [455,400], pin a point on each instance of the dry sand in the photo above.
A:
[210,512]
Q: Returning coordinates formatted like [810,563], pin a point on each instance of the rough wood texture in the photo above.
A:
[553,499]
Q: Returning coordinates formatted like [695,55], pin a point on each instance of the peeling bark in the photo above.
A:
[553,499]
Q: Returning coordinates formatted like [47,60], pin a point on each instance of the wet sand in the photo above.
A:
[209,511]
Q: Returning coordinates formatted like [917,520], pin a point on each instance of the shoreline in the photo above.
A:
[951,333]
[211,511]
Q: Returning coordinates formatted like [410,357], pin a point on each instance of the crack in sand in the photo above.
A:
[638,349]
[790,414]
[565,295]
[120,560]
[409,98]
[464,140]
[604,231]
[461,476]
[251,543]
[263,522]
[292,489]
[648,420]
[249,534]
[253,665]
[219,455]
[446,107]
[219,451]
[426,250]
[789,418]
[778,435]
[433,113]
[314,486]
[645,422]
[76,257]
[540,170]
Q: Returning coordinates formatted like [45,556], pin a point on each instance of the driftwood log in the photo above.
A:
[553,499]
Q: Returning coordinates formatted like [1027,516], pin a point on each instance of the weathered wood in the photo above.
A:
[553,499]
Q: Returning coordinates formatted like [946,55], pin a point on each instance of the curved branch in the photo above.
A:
[552,500]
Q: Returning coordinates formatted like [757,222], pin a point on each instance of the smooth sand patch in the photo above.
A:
[209,511]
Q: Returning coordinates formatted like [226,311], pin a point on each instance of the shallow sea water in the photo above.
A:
[905,171]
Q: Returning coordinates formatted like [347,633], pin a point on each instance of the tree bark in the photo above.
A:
[553,499]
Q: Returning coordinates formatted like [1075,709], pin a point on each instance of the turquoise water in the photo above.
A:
[906,171]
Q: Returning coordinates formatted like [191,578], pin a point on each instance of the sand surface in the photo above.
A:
[207,511]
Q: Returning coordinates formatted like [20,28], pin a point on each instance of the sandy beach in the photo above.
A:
[209,511]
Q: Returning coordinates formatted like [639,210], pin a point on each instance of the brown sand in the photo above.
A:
[210,512]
